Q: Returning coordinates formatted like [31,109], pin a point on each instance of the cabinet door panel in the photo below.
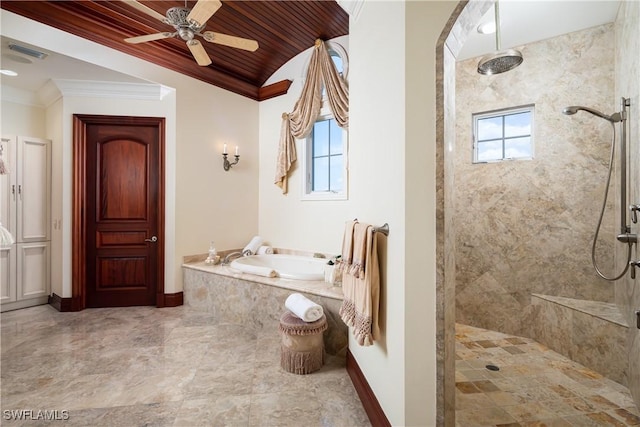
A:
[33,269]
[34,190]
[7,274]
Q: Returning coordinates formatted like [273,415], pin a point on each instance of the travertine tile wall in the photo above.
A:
[526,227]
[627,42]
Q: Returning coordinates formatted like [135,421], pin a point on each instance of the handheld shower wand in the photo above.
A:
[625,235]
[614,118]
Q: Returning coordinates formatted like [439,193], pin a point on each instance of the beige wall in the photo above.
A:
[627,42]
[204,202]
[526,226]
[391,179]
[18,118]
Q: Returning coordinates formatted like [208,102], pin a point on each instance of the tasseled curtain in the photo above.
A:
[300,121]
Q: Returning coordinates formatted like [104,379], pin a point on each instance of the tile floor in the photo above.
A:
[535,386]
[143,366]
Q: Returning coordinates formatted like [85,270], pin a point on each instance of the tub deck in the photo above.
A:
[258,302]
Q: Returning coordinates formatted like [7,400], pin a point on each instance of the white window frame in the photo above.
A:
[307,144]
[502,113]
[307,167]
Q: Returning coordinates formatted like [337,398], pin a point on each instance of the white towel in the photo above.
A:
[303,307]
[265,250]
[6,239]
[253,245]
[255,269]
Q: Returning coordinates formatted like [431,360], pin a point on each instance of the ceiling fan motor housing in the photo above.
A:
[177,17]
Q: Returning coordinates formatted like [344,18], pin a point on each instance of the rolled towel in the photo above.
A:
[253,245]
[303,307]
[255,269]
[265,250]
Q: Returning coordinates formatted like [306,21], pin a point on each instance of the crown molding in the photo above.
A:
[120,90]
[20,96]
[352,7]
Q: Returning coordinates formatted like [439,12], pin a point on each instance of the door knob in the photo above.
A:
[153,239]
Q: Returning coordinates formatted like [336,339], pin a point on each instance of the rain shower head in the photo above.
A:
[500,61]
[569,111]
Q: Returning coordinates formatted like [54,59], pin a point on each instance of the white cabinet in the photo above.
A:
[25,210]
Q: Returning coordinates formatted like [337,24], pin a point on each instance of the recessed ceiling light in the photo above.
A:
[487,28]
[8,73]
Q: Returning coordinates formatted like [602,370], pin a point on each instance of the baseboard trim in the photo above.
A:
[59,303]
[367,397]
[173,300]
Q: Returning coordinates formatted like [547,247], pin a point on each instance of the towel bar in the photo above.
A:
[384,229]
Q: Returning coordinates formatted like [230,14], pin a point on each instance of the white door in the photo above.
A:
[8,291]
[33,189]
[33,270]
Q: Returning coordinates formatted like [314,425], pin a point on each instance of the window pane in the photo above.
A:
[517,124]
[335,172]
[337,61]
[517,147]
[490,150]
[335,138]
[489,128]
[321,174]
[321,138]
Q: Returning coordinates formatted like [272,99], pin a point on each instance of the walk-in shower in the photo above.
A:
[625,235]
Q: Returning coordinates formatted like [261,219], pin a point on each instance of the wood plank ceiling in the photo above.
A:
[282,28]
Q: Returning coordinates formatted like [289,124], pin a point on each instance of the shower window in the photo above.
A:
[503,135]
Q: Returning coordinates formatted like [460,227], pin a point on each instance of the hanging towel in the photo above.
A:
[303,307]
[359,250]
[4,170]
[253,245]
[361,303]
[6,239]
[346,256]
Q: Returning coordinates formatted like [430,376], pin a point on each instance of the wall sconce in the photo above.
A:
[226,164]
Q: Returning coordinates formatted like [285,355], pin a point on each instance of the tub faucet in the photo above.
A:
[227,259]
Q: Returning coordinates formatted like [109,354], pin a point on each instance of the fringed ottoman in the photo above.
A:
[302,346]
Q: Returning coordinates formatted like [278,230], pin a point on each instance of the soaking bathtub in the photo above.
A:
[284,266]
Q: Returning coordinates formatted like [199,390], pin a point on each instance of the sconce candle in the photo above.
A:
[226,164]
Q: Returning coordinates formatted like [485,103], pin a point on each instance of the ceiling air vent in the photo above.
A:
[27,51]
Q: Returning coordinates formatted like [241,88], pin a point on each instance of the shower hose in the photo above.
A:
[604,204]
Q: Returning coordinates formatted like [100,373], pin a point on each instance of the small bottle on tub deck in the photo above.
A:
[213,257]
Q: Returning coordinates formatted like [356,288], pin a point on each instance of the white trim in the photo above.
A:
[121,90]
[352,7]
[307,169]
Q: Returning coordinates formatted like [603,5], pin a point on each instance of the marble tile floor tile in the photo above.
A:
[144,366]
[534,386]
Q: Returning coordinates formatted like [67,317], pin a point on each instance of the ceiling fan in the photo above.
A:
[188,23]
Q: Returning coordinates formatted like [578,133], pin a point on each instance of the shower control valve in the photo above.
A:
[634,213]
[632,266]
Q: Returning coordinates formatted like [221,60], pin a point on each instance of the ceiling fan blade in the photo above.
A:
[149,37]
[231,41]
[202,11]
[144,9]
[198,52]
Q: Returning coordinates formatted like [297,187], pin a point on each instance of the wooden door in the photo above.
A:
[119,190]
